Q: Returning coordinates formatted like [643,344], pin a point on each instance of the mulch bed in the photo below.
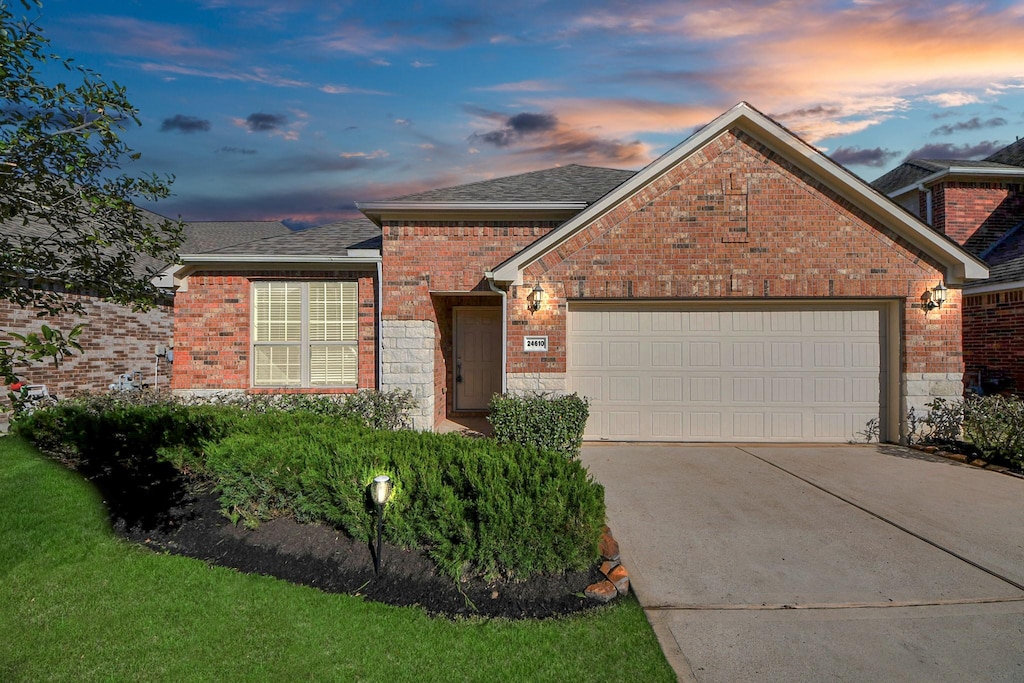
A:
[168,518]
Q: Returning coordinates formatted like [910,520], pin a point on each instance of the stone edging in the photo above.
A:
[960,457]
[616,581]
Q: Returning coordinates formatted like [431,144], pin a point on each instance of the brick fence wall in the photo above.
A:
[116,340]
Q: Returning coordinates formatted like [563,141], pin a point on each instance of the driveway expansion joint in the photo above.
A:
[882,518]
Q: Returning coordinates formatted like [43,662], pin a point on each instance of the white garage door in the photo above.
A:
[735,374]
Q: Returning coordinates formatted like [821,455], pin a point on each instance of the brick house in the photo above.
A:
[740,287]
[118,340]
[980,205]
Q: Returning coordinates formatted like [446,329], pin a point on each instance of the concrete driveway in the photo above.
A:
[812,563]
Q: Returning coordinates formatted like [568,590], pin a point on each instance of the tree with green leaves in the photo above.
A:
[71,225]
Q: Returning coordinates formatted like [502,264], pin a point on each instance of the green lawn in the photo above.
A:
[78,604]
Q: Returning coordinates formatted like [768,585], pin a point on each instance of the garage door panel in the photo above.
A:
[809,375]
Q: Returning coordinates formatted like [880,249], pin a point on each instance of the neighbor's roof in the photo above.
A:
[142,267]
[1012,154]
[913,171]
[572,183]
[1005,258]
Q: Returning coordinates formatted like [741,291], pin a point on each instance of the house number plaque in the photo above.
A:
[535,343]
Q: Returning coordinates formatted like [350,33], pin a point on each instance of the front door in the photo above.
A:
[477,356]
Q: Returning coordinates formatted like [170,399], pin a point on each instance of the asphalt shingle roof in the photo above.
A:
[1012,154]
[913,170]
[203,236]
[325,240]
[572,183]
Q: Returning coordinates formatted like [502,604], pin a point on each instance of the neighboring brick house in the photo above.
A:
[118,340]
[740,287]
[980,205]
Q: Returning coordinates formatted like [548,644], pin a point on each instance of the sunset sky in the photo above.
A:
[293,109]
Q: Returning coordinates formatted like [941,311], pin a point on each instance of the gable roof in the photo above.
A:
[562,189]
[959,264]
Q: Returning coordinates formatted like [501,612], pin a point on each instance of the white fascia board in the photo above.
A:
[378,207]
[994,287]
[960,265]
[365,256]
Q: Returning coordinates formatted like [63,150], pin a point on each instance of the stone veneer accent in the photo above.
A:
[921,388]
[407,358]
[536,383]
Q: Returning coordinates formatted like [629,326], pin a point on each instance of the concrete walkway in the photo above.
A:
[810,563]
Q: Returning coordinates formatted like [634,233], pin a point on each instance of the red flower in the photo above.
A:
[17,386]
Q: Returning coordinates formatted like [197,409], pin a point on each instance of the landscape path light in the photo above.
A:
[380,491]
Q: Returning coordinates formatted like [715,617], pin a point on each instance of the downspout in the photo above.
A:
[380,322]
[504,333]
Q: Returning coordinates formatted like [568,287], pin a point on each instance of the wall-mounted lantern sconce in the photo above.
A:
[536,298]
[380,491]
[935,297]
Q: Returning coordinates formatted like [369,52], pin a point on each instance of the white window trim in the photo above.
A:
[304,344]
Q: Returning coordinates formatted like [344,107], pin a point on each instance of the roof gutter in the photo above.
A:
[370,256]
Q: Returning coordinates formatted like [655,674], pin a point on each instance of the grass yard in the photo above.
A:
[79,604]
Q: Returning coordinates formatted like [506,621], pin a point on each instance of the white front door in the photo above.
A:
[477,356]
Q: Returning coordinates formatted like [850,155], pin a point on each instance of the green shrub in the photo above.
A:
[376,409]
[474,505]
[993,424]
[551,422]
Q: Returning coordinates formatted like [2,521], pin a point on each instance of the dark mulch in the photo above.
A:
[161,513]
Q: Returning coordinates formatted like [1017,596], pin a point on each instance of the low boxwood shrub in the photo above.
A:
[474,505]
[376,409]
[541,420]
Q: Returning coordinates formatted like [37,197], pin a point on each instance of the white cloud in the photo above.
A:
[952,99]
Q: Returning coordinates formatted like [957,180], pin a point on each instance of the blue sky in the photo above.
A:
[291,110]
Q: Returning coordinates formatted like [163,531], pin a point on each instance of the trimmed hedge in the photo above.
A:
[475,506]
[540,420]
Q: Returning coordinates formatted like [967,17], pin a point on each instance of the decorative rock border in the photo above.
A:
[966,459]
[616,581]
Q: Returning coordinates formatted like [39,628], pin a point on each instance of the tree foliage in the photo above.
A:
[71,224]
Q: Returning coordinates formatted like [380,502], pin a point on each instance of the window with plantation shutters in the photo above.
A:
[305,334]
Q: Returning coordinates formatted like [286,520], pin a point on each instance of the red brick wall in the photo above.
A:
[445,256]
[992,337]
[442,256]
[212,329]
[116,340]
[975,214]
[735,222]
